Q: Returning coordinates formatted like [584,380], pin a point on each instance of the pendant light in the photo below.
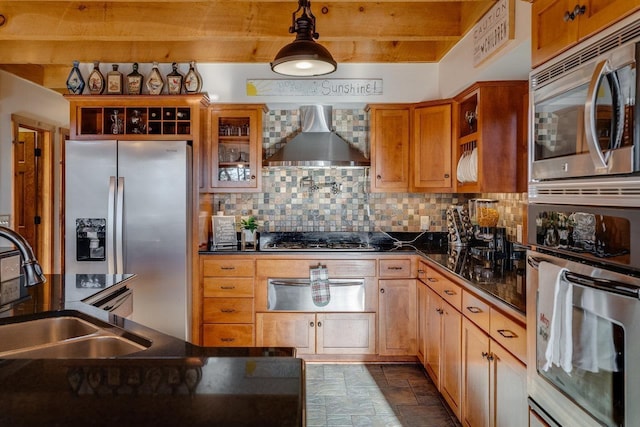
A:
[303,56]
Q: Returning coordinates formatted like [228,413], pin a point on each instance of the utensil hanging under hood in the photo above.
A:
[317,145]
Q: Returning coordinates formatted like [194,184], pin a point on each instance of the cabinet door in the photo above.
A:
[599,14]
[346,333]
[475,383]
[550,34]
[431,155]
[509,388]
[397,309]
[236,150]
[451,381]
[390,149]
[287,330]
[422,320]
[433,332]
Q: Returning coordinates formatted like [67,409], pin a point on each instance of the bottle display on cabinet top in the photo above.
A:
[96,80]
[174,80]
[193,80]
[114,81]
[134,81]
[155,83]
[75,81]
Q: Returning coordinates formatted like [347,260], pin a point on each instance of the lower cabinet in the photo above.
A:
[421,291]
[494,382]
[318,333]
[397,311]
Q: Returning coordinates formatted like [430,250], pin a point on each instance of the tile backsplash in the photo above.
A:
[342,201]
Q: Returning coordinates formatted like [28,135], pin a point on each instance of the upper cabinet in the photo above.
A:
[390,136]
[431,147]
[235,148]
[559,24]
[136,117]
[490,147]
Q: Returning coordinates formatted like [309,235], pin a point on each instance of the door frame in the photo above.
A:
[46,135]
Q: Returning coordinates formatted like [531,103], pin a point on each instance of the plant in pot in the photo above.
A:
[249,226]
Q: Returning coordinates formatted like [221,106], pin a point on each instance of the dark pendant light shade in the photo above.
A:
[303,56]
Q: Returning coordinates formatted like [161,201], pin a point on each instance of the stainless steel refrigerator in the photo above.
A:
[128,210]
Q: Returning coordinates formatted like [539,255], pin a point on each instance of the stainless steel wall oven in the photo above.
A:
[583,312]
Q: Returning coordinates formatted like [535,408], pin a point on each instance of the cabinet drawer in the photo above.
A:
[228,335]
[510,334]
[228,287]
[476,310]
[228,267]
[394,268]
[228,310]
[444,287]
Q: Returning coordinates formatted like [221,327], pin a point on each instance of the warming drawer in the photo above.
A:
[295,295]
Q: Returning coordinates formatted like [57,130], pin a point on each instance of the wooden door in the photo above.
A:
[27,181]
[451,381]
[431,153]
[287,330]
[422,320]
[475,374]
[397,307]
[509,388]
[433,333]
[346,333]
[390,149]
[599,14]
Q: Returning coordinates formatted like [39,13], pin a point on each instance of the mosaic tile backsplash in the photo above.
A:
[342,201]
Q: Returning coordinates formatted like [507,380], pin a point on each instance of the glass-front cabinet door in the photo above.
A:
[236,149]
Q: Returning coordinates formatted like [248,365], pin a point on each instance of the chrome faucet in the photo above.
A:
[32,270]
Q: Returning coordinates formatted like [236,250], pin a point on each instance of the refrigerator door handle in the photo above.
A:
[111,212]
[120,227]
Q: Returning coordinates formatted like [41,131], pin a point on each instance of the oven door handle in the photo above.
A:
[605,285]
[299,282]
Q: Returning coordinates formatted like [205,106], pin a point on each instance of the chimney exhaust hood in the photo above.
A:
[317,145]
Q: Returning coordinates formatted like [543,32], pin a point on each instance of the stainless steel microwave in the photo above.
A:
[585,138]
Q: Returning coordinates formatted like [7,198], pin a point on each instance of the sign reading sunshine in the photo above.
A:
[314,87]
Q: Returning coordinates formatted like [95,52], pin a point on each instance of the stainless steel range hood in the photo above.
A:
[317,145]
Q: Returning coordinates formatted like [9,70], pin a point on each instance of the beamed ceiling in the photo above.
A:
[40,39]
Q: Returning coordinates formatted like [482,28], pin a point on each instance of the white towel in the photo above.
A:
[595,349]
[555,316]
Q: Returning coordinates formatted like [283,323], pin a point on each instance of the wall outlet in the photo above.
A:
[425,222]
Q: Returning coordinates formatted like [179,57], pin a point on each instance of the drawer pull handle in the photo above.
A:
[485,354]
[449,292]
[507,333]
[227,287]
[431,279]
[226,267]
[421,271]
[227,339]
[382,291]
[228,310]
[311,324]
[474,310]
[440,311]
[393,267]
[319,324]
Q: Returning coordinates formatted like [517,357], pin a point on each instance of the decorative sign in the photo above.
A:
[224,232]
[314,87]
[493,30]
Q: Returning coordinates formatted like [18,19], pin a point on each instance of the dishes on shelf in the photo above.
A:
[467,170]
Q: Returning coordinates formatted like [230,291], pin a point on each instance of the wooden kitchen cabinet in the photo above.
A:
[318,333]
[397,309]
[495,382]
[390,146]
[431,147]
[491,127]
[554,30]
[235,148]
[228,300]
[422,295]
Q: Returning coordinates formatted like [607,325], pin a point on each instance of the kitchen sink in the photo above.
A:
[66,337]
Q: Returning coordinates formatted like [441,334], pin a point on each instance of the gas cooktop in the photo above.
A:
[313,241]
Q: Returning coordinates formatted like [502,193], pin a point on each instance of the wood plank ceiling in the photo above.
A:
[40,39]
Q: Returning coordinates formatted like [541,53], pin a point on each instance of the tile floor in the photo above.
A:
[363,395]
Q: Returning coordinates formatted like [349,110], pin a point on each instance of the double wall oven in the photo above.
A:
[583,269]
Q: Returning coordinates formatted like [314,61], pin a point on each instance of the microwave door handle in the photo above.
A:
[598,158]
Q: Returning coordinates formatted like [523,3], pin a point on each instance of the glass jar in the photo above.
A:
[487,212]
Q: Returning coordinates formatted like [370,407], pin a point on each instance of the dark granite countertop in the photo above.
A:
[171,383]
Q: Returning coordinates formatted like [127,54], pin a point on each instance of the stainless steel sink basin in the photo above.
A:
[66,337]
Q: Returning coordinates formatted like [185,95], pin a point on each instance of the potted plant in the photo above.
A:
[249,226]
